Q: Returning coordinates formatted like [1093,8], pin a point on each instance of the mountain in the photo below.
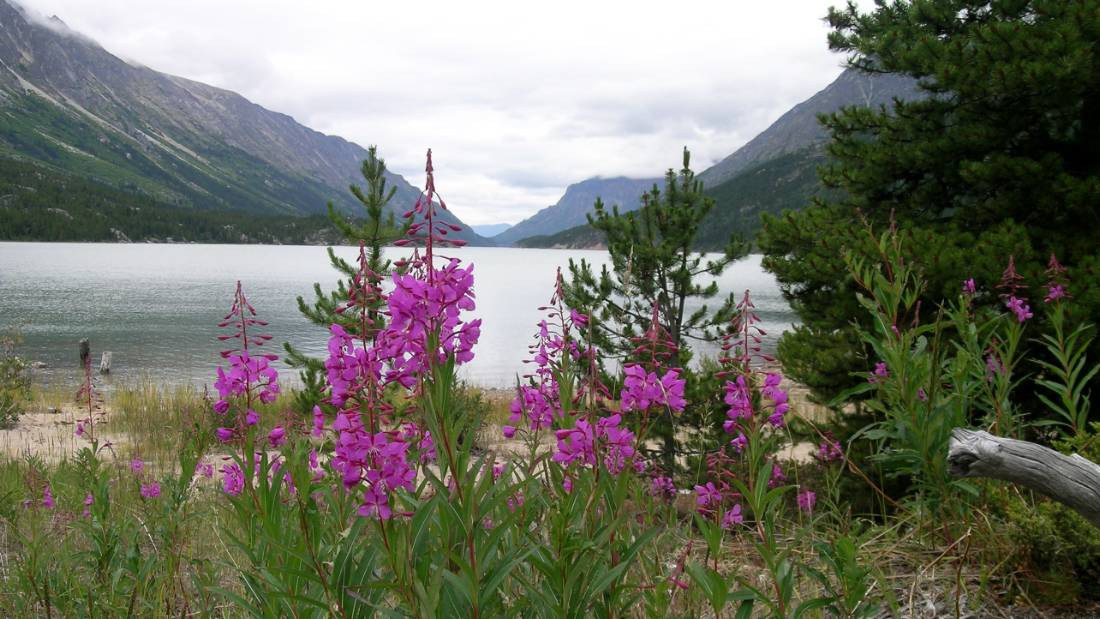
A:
[798,128]
[70,106]
[570,210]
[488,230]
[773,172]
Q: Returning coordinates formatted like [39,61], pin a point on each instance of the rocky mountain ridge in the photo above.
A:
[69,104]
[577,201]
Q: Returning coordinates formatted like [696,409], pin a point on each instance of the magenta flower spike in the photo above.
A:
[1011,281]
[241,316]
[742,344]
[1057,281]
[150,490]
[806,500]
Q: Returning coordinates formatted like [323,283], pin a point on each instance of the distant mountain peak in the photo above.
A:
[577,202]
[798,128]
[69,104]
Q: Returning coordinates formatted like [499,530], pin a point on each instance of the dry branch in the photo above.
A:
[1071,480]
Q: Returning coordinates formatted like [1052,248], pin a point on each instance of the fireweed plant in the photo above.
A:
[751,507]
[961,370]
[380,504]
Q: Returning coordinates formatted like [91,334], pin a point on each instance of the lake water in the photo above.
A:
[156,307]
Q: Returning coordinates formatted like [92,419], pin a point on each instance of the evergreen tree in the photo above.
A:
[372,235]
[1000,158]
[653,266]
[655,277]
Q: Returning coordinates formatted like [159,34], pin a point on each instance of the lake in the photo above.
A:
[156,307]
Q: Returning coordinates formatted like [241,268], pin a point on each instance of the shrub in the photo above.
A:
[15,380]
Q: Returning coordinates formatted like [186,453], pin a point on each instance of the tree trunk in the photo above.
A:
[1071,480]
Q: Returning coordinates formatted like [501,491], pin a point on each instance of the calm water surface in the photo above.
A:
[156,307]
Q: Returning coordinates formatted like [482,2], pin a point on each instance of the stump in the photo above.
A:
[1071,480]
[105,363]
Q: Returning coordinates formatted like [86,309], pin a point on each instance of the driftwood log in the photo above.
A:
[1072,480]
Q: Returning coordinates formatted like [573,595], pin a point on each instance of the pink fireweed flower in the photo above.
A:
[429,306]
[318,421]
[740,443]
[89,500]
[277,436]
[232,479]
[47,497]
[576,444]
[806,500]
[315,466]
[578,318]
[662,487]
[619,443]
[778,398]
[349,369]
[537,405]
[225,434]
[150,490]
[1019,307]
[739,399]
[969,288]
[777,478]
[707,496]
[641,390]
[205,469]
[579,444]
[137,466]
[829,451]
[413,435]
[732,517]
[880,372]
[1057,281]
[376,460]
[251,417]
[246,372]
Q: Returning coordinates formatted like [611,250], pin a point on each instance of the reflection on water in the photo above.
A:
[156,307]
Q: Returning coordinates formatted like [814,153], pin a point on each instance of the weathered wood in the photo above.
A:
[1072,480]
[105,363]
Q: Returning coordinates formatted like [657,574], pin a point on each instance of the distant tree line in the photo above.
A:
[40,204]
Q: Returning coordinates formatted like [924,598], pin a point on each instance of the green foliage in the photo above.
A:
[1069,372]
[371,234]
[1058,547]
[784,183]
[223,176]
[915,412]
[15,380]
[653,266]
[38,203]
[1001,159]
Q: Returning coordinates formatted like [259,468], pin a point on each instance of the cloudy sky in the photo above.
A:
[517,99]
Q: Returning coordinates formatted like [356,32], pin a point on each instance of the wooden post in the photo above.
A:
[105,363]
[1072,480]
